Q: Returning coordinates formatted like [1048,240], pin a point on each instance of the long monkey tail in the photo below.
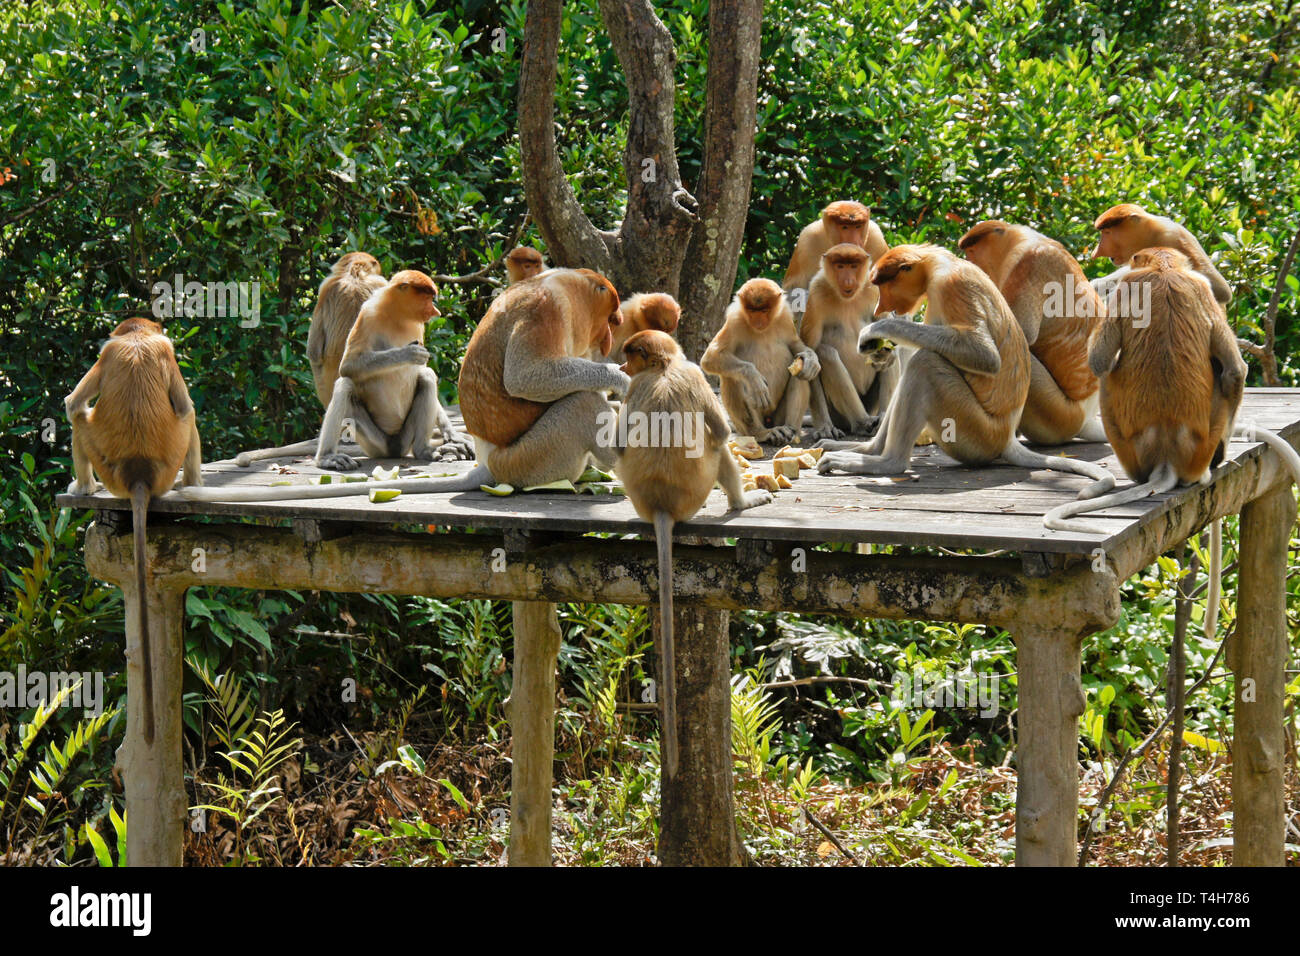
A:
[470,481]
[667,653]
[1214,586]
[245,458]
[1162,479]
[139,516]
[1018,454]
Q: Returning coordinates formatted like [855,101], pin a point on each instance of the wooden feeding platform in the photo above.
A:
[1050,589]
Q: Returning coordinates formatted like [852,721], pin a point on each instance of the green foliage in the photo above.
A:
[45,786]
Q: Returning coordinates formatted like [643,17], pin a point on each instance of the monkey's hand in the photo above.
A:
[621,381]
[812,365]
[336,461]
[414,354]
[754,387]
[79,489]
[883,329]
[856,463]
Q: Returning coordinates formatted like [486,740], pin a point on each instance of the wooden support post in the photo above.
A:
[697,818]
[154,775]
[532,732]
[1257,655]
[1047,746]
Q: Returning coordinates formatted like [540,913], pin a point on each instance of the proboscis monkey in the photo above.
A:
[645,310]
[843,221]
[668,482]
[524,262]
[1126,229]
[753,354]
[1057,309]
[857,385]
[534,404]
[967,381]
[352,280]
[138,434]
[1171,385]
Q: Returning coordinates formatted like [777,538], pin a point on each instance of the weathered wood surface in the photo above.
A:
[937,504]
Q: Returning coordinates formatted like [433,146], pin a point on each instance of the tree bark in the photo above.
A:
[697,817]
[726,175]
[663,245]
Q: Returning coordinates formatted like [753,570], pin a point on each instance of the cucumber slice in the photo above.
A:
[500,490]
[562,485]
[379,495]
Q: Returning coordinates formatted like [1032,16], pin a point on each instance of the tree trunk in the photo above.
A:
[697,819]
[726,175]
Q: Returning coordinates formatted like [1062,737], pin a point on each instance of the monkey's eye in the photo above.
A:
[905,268]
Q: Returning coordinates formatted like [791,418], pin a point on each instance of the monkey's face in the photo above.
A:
[902,277]
[525,263]
[847,268]
[985,244]
[853,232]
[1113,244]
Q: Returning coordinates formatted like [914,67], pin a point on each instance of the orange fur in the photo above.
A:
[353,279]
[1036,275]
[1162,402]
[524,262]
[139,433]
[840,222]
[643,311]
[1127,228]
[564,313]
[758,341]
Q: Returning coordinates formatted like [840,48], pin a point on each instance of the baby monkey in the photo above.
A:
[668,481]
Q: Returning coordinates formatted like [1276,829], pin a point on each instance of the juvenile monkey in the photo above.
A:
[523,262]
[857,384]
[840,222]
[967,381]
[1057,309]
[352,280]
[668,483]
[645,310]
[753,354]
[1126,229]
[534,404]
[139,433]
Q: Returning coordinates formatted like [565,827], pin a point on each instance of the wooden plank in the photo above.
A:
[939,503]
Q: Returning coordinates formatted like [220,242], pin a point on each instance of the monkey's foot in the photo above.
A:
[455,450]
[826,432]
[854,463]
[782,435]
[337,461]
[78,489]
[866,428]
[755,498]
